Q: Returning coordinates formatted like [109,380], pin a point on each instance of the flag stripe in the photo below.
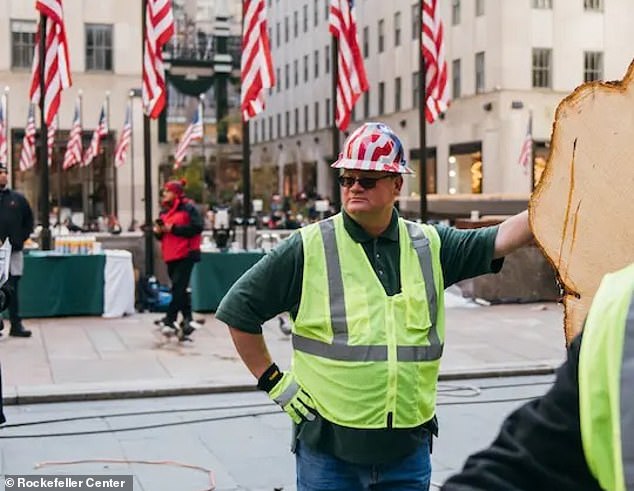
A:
[74,146]
[57,75]
[95,143]
[256,64]
[436,90]
[4,125]
[159,28]
[121,151]
[351,77]
[193,132]
[526,152]
[27,154]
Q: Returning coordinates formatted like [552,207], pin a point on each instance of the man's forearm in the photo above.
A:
[253,351]
[515,232]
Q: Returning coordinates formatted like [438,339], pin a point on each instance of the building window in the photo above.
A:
[596,5]
[305,17]
[99,47]
[270,127]
[415,90]
[287,122]
[316,13]
[296,72]
[415,21]
[455,12]
[255,131]
[327,59]
[286,33]
[279,126]
[278,80]
[287,76]
[277,34]
[592,66]
[295,24]
[366,41]
[455,78]
[316,115]
[306,118]
[397,94]
[353,113]
[479,8]
[381,98]
[316,55]
[542,59]
[296,120]
[22,43]
[397,29]
[381,35]
[479,72]
[366,104]
[327,10]
[328,121]
[263,125]
[305,68]
[542,4]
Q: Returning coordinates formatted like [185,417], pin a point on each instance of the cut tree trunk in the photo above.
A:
[583,209]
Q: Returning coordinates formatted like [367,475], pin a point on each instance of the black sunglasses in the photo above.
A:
[364,182]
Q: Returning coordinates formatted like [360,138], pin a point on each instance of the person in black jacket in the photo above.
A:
[16,224]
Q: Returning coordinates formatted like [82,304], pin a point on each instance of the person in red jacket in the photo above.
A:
[179,228]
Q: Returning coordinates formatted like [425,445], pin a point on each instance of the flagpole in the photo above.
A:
[422,122]
[45,234]
[6,133]
[147,167]
[82,169]
[59,178]
[202,138]
[336,196]
[115,201]
[131,106]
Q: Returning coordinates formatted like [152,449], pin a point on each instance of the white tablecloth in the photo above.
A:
[118,289]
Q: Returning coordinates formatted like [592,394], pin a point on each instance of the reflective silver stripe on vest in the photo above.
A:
[338,317]
[627,399]
[285,397]
[339,348]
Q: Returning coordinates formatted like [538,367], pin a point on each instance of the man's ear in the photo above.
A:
[398,184]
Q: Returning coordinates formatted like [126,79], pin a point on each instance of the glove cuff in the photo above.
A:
[270,378]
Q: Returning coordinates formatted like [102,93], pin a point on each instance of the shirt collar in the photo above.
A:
[358,234]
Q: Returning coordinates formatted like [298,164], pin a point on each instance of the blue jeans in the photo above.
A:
[318,471]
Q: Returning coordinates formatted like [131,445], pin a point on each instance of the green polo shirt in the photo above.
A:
[274,285]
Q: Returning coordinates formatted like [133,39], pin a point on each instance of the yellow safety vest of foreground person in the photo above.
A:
[606,382]
[367,359]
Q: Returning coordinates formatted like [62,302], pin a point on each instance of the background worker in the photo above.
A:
[16,224]
[365,291]
[179,228]
[580,434]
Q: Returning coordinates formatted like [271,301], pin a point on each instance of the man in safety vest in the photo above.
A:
[364,290]
[579,435]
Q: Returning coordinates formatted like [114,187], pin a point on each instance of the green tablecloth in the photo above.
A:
[215,273]
[56,285]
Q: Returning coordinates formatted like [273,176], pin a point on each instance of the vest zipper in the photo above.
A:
[389,420]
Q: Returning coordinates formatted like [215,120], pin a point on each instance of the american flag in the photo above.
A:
[74,148]
[56,67]
[3,131]
[437,98]
[100,131]
[121,151]
[193,132]
[27,155]
[351,80]
[526,153]
[256,63]
[50,139]
[159,28]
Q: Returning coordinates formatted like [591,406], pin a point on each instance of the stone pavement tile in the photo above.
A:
[72,370]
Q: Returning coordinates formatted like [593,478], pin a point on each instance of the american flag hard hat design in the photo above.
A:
[373,146]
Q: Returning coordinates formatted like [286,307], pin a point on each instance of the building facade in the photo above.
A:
[506,60]
[104,41]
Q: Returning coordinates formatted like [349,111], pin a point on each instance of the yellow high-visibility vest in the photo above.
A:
[367,359]
[606,382]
